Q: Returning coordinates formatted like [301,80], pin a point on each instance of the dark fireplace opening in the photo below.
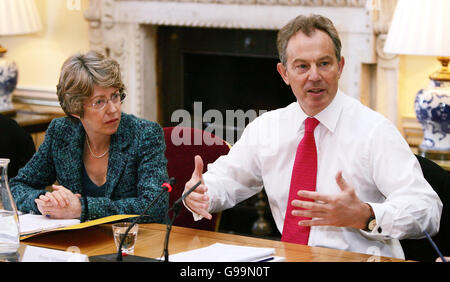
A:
[223,69]
[225,82]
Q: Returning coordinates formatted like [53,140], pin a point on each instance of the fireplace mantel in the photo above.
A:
[126,31]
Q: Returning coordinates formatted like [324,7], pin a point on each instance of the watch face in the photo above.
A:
[372,224]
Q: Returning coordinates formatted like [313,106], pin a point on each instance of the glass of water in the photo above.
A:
[129,242]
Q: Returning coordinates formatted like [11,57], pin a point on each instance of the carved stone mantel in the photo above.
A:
[126,31]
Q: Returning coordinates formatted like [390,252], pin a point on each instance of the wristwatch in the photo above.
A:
[371,223]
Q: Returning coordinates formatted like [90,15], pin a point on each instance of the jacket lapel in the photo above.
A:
[70,158]
[117,157]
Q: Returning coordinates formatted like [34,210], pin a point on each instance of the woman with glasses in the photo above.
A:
[105,162]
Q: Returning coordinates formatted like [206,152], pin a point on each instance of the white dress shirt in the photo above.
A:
[374,159]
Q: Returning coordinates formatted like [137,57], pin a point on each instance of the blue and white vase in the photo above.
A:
[432,107]
[8,82]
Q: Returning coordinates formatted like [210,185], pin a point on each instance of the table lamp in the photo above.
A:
[16,17]
[421,27]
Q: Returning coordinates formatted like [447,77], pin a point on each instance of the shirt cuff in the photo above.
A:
[380,230]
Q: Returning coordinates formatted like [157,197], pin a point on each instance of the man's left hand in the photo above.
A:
[343,209]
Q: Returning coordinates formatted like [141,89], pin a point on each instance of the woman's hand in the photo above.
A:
[60,203]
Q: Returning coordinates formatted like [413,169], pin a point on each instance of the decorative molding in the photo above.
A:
[214,15]
[382,13]
[381,40]
[387,65]
[107,13]
[93,16]
[313,3]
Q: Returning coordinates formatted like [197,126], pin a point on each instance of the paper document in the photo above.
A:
[219,252]
[38,254]
[33,223]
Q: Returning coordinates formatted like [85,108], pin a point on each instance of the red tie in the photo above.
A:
[304,176]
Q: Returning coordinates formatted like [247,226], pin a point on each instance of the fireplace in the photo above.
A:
[128,31]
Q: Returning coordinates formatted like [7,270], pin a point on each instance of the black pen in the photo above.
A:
[266,259]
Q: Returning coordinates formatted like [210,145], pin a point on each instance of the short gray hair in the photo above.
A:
[79,74]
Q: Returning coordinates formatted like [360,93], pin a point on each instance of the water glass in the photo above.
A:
[119,230]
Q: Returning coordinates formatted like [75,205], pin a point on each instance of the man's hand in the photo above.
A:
[343,209]
[198,201]
[60,203]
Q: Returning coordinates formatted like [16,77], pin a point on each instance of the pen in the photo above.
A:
[434,246]
[266,259]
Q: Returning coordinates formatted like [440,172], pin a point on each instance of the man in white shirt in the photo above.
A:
[370,190]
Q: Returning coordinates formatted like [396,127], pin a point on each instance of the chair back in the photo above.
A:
[421,249]
[182,145]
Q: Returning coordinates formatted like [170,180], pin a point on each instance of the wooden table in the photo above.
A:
[98,240]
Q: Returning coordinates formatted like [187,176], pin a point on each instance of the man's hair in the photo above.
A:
[307,25]
[79,74]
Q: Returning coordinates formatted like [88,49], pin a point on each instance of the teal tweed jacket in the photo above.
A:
[136,169]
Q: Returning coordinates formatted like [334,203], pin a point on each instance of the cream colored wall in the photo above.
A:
[413,76]
[39,56]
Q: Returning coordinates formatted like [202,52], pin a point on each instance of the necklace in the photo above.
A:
[92,153]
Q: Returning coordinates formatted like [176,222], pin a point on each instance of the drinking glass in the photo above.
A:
[130,240]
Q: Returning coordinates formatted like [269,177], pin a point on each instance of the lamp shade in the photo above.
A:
[18,17]
[420,27]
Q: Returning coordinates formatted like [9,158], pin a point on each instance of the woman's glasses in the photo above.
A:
[99,103]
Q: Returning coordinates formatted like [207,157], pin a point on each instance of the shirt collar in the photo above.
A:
[328,117]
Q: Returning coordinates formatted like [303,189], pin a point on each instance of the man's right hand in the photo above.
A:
[198,201]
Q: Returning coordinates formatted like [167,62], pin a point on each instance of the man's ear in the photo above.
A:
[283,72]
[341,66]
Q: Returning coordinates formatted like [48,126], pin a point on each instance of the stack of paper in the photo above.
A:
[38,254]
[224,253]
[33,223]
